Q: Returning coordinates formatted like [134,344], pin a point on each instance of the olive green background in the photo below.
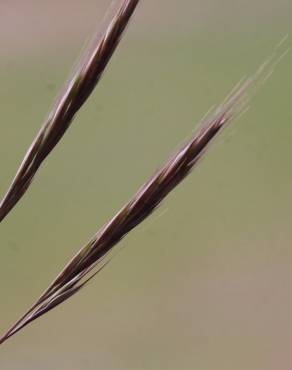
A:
[205,283]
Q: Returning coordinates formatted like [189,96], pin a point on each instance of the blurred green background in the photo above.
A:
[205,283]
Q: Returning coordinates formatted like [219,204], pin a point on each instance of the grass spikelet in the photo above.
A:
[70,100]
[93,256]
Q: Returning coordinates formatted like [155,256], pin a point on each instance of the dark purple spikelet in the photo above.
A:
[91,258]
[70,100]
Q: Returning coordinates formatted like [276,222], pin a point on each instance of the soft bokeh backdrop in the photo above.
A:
[205,283]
